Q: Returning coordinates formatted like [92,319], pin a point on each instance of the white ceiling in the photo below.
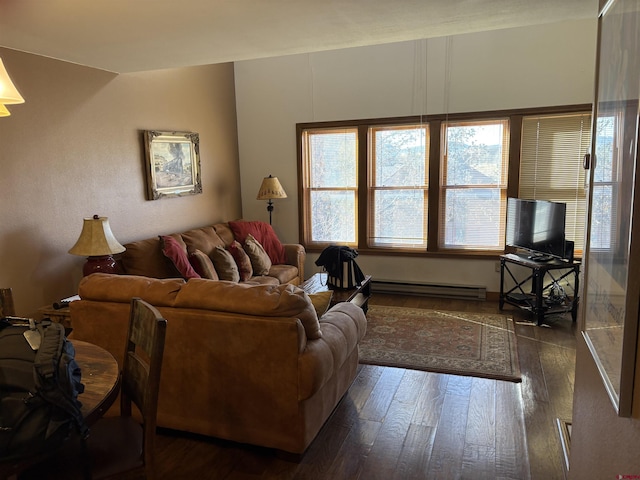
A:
[137,35]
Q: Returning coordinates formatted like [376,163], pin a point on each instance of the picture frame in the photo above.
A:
[172,164]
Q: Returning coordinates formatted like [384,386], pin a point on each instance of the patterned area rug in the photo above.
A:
[459,343]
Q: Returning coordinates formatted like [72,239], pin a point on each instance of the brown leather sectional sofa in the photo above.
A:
[246,362]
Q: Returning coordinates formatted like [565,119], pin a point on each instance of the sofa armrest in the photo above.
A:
[295,255]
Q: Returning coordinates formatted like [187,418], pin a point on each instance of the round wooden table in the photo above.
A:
[101,379]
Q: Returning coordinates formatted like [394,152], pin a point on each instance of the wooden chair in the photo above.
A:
[119,447]
[6,303]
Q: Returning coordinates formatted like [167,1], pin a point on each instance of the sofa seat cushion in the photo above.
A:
[283,273]
[108,287]
[251,299]
[263,280]
[343,326]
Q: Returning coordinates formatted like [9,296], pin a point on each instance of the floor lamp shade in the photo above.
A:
[270,189]
[98,244]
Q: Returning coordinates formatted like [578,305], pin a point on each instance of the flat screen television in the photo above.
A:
[536,226]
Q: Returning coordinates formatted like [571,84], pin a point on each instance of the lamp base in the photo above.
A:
[100,264]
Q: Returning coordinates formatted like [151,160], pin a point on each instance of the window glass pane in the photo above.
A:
[474,185]
[601,216]
[400,157]
[400,217]
[333,216]
[474,218]
[604,153]
[333,159]
[474,154]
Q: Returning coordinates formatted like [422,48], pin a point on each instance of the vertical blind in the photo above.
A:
[551,157]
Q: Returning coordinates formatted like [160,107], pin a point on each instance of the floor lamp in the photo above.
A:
[269,190]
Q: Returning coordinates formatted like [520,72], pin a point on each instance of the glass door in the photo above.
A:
[612,279]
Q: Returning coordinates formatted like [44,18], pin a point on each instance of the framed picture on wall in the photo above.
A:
[172,164]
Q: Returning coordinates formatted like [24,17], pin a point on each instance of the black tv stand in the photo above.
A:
[539,281]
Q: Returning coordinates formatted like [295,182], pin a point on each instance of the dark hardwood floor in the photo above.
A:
[404,424]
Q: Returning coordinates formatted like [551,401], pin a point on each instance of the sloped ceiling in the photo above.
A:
[137,35]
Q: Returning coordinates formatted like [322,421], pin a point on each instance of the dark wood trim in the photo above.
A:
[451,117]
[434,188]
[515,144]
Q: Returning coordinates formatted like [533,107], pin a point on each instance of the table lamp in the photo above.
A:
[98,244]
[269,190]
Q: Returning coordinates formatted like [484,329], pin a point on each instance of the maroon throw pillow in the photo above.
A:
[242,261]
[264,234]
[174,252]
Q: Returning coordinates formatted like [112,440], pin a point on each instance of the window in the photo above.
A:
[438,184]
[398,185]
[606,179]
[553,148]
[330,186]
[474,185]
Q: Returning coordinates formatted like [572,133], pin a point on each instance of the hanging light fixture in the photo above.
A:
[9,94]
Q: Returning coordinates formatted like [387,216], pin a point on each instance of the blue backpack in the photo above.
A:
[39,388]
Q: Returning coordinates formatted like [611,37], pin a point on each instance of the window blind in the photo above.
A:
[552,151]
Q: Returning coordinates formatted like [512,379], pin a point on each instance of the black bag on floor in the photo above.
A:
[341,267]
[39,387]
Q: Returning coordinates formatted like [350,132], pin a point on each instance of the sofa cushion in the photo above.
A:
[145,258]
[225,265]
[321,301]
[260,261]
[251,299]
[242,261]
[284,273]
[204,239]
[202,264]
[178,256]
[107,287]
[263,233]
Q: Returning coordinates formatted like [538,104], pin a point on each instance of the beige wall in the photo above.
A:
[75,149]
[535,66]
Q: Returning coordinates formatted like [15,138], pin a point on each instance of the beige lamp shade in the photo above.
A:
[96,239]
[9,94]
[270,189]
[4,111]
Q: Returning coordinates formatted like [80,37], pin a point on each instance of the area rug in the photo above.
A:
[459,343]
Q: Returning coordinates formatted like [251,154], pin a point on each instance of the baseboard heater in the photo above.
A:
[463,292]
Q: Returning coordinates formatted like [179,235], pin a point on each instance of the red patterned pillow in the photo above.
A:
[242,261]
[174,252]
[264,234]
